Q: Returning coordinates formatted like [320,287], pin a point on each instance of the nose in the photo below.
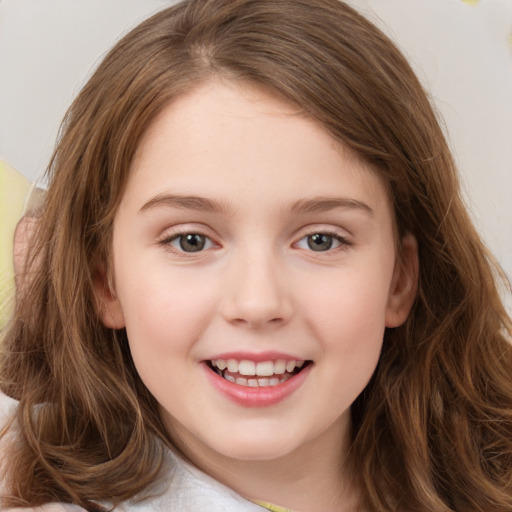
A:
[257,295]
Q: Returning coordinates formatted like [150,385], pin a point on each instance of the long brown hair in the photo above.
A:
[433,429]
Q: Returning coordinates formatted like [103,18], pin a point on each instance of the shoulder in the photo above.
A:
[183,487]
[52,507]
[187,489]
[7,406]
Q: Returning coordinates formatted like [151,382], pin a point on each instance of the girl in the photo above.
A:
[253,281]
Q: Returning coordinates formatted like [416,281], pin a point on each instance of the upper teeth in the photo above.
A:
[261,369]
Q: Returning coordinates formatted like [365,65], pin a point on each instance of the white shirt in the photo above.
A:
[184,489]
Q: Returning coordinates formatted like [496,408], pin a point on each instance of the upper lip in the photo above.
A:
[256,357]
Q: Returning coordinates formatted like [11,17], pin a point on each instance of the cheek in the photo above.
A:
[350,301]
[166,314]
[348,320]
[163,328]
[348,323]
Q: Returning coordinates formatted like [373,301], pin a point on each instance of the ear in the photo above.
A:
[404,284]
[107,304]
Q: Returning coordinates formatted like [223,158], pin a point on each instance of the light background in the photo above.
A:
[460,50]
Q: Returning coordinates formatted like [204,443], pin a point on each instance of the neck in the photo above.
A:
[311,478]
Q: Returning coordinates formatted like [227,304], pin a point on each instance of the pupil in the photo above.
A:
[192,242]
[319,242]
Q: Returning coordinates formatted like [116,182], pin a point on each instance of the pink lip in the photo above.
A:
[256,397]
[259,357]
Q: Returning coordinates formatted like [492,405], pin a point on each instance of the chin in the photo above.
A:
[257,448]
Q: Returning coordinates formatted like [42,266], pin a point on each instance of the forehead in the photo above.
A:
[225,139]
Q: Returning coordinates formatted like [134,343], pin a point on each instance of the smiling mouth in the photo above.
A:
[257,374]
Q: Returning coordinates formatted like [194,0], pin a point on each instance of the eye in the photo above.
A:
[321,242]
[189,242]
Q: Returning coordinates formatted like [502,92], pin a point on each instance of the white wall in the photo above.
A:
[47,50]
[460,51]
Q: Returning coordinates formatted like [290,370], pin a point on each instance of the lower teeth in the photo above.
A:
[256,383]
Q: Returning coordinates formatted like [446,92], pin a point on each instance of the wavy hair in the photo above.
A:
[433,429]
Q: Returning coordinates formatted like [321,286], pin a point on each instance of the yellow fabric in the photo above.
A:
[272,508]
[14,189]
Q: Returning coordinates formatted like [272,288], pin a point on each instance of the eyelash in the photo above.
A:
[166,242]
[344,243]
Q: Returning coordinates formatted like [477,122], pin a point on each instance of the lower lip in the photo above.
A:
[257,397]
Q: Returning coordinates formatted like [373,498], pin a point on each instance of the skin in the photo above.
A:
[257,285]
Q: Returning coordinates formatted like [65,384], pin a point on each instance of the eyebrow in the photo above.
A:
[315,205]
[187,202]
[324,204]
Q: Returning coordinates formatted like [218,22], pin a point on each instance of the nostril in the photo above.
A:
[255,320]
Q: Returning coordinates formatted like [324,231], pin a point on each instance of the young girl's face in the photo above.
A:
[255,271]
